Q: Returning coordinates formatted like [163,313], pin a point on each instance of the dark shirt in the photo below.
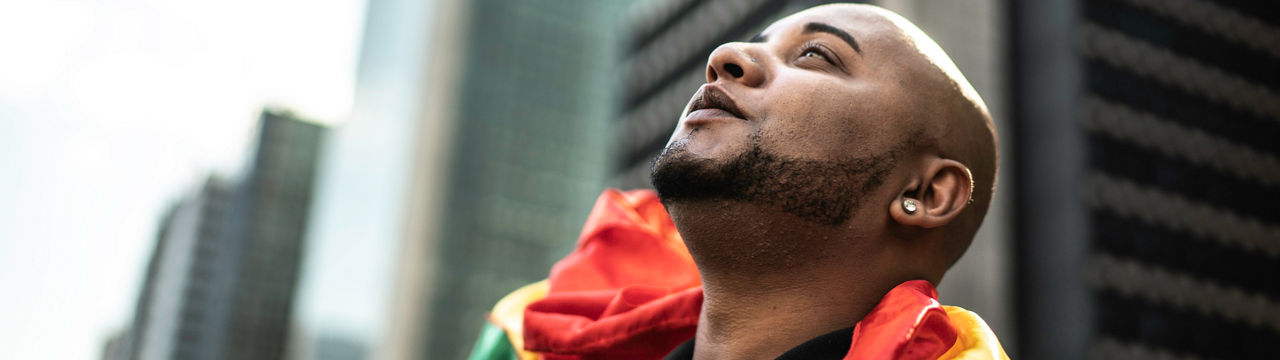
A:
[833,345]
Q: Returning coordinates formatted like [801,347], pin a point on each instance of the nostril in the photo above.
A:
[734,70]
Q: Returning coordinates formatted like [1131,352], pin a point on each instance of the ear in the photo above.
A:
[939,194]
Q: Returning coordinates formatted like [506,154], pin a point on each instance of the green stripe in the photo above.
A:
[492,344]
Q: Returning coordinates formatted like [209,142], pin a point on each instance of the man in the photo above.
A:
[824,178]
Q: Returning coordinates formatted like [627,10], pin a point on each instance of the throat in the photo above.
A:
[772,281]
[763,324]
[738,239]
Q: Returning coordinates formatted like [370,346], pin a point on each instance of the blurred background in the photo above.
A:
[363,179]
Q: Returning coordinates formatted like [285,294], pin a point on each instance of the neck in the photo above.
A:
[765,320]
[773,282]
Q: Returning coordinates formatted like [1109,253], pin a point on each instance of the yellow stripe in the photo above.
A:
[508,314]
[975,341]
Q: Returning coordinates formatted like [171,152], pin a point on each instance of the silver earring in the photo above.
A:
[909,206]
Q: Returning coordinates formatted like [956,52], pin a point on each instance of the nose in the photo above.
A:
[732,62]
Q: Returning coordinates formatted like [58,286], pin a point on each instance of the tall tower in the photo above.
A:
[1147,222]
[501,113]
[171,319]
[220,284]
[270,209]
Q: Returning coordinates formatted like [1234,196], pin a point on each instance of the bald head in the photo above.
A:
[833,115]
[951,118]
[837,152]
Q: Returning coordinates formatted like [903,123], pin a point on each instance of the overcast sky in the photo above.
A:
[112,110]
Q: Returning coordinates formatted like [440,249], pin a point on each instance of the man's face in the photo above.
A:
[808,117]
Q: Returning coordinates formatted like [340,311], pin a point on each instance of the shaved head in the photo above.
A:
[835,116]
[952,118]
[839,152]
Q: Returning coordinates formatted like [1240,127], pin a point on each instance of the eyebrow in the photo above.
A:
[820,27]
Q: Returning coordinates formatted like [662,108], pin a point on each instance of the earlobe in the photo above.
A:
[907,208]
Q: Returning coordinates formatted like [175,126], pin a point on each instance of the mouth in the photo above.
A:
[713,103]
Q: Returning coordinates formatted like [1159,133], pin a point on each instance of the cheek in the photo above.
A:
[825,124]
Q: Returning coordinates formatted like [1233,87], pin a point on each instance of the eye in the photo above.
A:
[817,51]
[813,51]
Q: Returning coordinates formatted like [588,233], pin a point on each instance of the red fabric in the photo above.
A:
[628,291]
[628,239]
[908,324]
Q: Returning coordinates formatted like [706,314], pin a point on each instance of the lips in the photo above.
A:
[714,102]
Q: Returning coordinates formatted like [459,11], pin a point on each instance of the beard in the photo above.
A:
[820,191]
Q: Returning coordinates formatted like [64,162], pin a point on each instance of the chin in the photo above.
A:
[678,173]
[714,142]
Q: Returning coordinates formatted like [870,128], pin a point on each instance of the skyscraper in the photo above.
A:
[1147,215]
[221,280]
[171,319]
[501,109]
[270,211]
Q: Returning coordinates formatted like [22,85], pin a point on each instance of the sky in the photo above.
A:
[112,110]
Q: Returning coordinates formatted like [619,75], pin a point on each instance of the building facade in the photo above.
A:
[172,317]
[270,212]
[221,279]
[1145,221]
[528,155]
[503,111]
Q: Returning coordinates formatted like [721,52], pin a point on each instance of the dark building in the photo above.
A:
[270,209]
[527,159]
[1147,220]
[220,282]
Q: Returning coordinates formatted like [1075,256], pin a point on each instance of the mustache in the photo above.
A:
[712,97]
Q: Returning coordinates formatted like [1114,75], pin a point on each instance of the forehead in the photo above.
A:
[862,21]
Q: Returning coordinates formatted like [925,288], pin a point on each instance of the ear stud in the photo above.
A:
[909,206]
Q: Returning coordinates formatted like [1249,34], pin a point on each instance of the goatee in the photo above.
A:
[823,192]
